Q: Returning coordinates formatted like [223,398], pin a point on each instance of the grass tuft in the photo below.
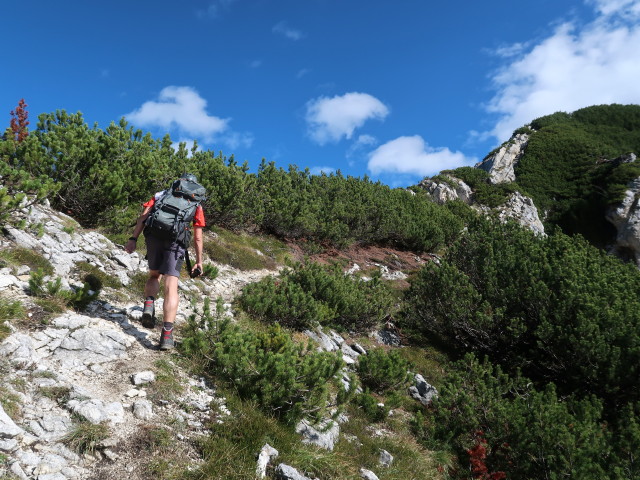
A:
[86,436]
[23,256]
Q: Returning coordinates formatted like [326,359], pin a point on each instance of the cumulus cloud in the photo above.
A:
[183,110]
[362,142]
[412,155]
[282,28]
[576,66]
[612,7]
[331,119]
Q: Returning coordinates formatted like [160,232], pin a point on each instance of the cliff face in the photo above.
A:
[500,166]
[626,218]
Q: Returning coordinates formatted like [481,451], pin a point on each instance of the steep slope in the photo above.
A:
[577,168]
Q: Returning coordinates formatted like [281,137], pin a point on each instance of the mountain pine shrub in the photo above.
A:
[309,294]
[282,376]
[382,371]
[529,433]
[554,306]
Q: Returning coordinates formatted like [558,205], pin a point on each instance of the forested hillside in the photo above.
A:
[567,166]
[532,341]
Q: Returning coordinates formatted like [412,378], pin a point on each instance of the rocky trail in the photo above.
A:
[98,367]
[84,394]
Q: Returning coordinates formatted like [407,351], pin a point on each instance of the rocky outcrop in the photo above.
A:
[500,165]
[422,391]
[445,191]
[626,218]
[522,210]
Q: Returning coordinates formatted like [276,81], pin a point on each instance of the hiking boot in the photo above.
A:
[149,314]
[166,340]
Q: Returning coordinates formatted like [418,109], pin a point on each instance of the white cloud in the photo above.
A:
[330,119]
[291,33]
[255,64]
[508,51]
[302,72]
[412,155]
[182,109]
[577,66]
[612,7]
[361,143]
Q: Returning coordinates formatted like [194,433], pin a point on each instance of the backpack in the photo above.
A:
[172,214]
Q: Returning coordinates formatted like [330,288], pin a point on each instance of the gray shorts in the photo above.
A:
[164,256]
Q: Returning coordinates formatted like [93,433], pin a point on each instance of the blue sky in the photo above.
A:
[393,90]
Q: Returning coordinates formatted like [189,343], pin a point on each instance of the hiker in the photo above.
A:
[165,220]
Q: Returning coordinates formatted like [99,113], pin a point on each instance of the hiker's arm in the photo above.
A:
[130,246]
[197,242]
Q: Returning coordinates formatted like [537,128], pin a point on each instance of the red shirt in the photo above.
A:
[198,218]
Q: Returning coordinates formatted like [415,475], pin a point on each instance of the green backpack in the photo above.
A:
[171,215]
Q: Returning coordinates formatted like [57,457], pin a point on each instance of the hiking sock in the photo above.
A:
[167,326]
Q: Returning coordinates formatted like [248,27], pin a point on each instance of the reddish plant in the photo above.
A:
[19,121]
[477,458]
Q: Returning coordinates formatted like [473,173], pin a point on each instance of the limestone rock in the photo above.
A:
[324,435]
[446,191]
[626,218]
[422,391]
[96,411]
[368,474]
[385,459]
[265,456]
[522,210]
[143,409]
[285,472]
[141,378]
[500,165]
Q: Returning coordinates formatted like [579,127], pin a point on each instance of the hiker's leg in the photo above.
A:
[171,298]
[152,287]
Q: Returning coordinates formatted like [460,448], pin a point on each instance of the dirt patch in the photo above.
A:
[369,256]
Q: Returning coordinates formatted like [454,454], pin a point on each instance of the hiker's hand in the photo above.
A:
[130,246]
[196,271]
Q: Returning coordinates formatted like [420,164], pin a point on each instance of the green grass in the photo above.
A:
[58,394]
[428,361]
[241,251]
[86,436]
[14,257]
[230,453]
[167,385]
[94,276]
[9,310]
[10,403]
